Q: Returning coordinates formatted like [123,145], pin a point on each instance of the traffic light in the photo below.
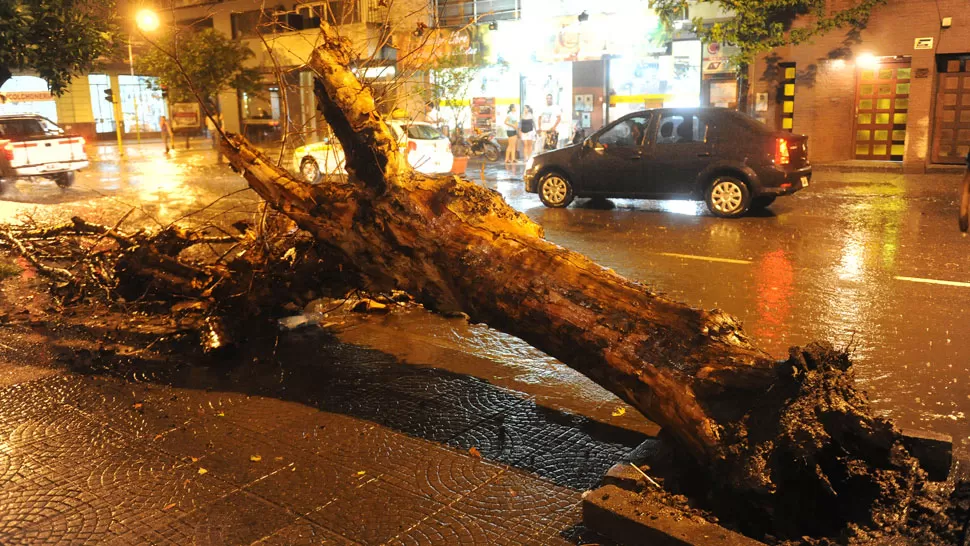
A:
[109,95]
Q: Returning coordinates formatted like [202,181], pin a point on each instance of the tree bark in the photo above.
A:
[795,432]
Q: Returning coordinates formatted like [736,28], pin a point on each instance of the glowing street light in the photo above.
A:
[867,60]
[147,20]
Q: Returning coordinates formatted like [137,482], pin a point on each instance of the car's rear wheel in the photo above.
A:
[762,202]
[728,197]
[310,170]
[64,180]
[555,191]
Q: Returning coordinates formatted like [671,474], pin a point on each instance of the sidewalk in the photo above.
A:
[306,440]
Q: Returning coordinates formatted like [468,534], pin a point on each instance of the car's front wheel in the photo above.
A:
[64,180]
[728,197]
[555,191]
[310,170]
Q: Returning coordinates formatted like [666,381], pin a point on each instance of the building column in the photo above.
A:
[920,113]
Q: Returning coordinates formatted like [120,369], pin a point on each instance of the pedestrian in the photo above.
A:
[549,124]
[528,128]
[167,136]
[213,123]
[511,131]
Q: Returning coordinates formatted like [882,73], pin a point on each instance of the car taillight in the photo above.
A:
[782,157]
[412,146]
[8,151]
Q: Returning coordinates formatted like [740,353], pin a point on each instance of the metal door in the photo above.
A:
[882,103]
[951,127]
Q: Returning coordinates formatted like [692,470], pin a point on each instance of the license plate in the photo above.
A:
[53,167]
[804,181]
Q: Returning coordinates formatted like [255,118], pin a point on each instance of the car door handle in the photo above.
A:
[704,154]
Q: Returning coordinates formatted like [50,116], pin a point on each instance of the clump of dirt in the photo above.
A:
[818,466]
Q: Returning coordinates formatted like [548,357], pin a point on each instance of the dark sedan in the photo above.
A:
[731,161]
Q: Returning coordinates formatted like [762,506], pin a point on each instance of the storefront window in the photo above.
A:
[261,114]
[141,105]
[654,81]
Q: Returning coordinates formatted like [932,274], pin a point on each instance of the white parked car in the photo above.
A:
[34,146]
[428,151]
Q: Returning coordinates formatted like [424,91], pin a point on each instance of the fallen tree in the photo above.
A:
[791,447]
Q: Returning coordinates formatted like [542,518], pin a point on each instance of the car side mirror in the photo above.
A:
[591,144]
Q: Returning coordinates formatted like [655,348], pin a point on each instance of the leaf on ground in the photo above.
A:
[474,452]
[202,470]
[277,459]
[361,473]
[221,414]
[619,411]
[513,493]
[137,405]
[168,507]
[255,458]
[195,459]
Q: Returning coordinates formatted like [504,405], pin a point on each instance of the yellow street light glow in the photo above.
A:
[147,20]
[867,60]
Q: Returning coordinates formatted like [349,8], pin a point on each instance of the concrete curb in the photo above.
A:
[628,518]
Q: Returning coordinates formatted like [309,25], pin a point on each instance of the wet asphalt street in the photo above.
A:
[411,428]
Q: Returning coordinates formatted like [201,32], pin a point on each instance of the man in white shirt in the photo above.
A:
[549,124]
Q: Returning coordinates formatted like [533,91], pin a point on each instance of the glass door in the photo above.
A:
[882,103]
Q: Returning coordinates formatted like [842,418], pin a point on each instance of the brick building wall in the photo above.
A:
[827,72]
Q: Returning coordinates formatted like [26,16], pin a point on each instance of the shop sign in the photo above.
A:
[25,96]
[717,58]
[463,47]
[186,115]
[923,43]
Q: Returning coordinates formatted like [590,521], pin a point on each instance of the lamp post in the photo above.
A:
[146,20]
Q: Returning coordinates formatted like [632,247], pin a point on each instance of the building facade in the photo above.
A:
[898,90]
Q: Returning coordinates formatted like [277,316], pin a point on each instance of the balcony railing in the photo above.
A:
[457,14]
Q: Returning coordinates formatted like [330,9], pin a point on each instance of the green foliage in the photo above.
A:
[207,61]
[57,39]
[758,26]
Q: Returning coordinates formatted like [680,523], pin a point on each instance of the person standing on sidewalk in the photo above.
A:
[512,132]
[167,136]
[528,127]
[549,124]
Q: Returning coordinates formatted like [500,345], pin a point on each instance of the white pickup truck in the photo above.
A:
[34,146]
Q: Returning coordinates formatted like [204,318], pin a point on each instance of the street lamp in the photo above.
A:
[147,21]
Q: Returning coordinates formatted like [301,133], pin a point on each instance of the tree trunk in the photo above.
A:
[793,434]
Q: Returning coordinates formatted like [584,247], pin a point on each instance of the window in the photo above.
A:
[682,128]
[626,133]
[458,13]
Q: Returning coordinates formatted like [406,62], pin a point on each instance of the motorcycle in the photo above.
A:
[481,143]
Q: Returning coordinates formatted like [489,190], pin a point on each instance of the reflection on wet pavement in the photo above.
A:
[161,188]
[819,265]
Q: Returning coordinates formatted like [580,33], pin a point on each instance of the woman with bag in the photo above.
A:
[512,132]
[528,127]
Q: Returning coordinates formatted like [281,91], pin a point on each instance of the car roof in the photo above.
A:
[21,116]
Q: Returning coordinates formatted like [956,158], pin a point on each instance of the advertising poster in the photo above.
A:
[186,115]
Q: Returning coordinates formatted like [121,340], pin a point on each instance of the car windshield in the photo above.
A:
[423,132]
